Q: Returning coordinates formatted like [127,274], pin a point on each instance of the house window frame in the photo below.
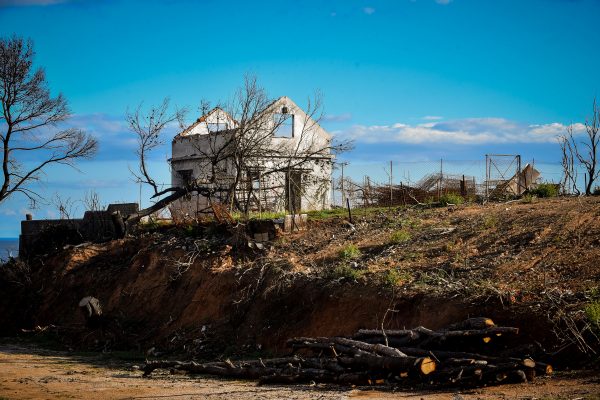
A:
[281,118]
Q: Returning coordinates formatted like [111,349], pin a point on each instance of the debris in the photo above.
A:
[437,358]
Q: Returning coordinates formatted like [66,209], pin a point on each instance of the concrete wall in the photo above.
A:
[94,226]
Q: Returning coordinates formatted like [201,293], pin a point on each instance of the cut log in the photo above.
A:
[419,366]
[345,345]
[543,369]
[446,355]
[471,323]
[380,349]
[421,333]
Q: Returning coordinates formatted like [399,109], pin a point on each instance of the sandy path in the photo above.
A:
[27,372]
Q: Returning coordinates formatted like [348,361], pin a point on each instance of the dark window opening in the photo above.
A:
[186,176]
[253,182]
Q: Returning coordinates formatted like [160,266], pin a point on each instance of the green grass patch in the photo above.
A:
[451,198]
[592,312]
[528,198]
[490,221]
[349,252]
[545,190]
[343,212]
[396,277]
[345,271]
[400,236]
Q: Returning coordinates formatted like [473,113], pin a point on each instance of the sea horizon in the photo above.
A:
[9,247]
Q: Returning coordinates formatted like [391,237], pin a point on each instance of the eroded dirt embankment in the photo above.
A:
[522,264]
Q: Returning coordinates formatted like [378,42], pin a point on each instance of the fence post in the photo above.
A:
[403,194]
[365,191]
[487,177]
[342,185]
[349,211]
[440,181]
[391,181]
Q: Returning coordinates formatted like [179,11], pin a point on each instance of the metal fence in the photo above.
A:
[400,183]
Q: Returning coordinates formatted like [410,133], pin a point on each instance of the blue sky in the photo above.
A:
[409,80]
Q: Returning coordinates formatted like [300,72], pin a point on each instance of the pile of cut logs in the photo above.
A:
[469,353]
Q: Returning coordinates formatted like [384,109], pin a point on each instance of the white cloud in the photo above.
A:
[369,10]
[554,129]
[337,117]
[443,2]
[432,117]
[470,131]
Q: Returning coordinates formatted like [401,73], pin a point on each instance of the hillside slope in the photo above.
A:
[532,265]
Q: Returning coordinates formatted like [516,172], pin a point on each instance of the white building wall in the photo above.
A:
[190,151]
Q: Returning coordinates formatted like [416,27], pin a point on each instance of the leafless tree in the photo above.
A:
[148,126]
[66,206]
[569,175]
[28,123]
[92,201]
[250,152]
[586,150]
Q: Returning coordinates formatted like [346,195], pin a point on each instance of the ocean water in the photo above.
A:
[9,247]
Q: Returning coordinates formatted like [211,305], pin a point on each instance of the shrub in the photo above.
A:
[528,198]
[345,271]
[349,252]
[490,221]
[396,277]
[451,198]
[545,190]
[400,236]
[592,312]
[596,191]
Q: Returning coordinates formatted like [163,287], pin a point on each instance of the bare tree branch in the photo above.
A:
[27,107]
[148,125]
[586,151]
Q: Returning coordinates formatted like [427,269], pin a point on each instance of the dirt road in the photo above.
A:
[28,372]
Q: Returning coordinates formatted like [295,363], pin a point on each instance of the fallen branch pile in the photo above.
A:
[468,353]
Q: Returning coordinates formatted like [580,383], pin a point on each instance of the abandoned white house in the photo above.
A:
[278,159]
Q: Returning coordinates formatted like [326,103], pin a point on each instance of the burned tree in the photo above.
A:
[569,171]
[29,120]
[585,151]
